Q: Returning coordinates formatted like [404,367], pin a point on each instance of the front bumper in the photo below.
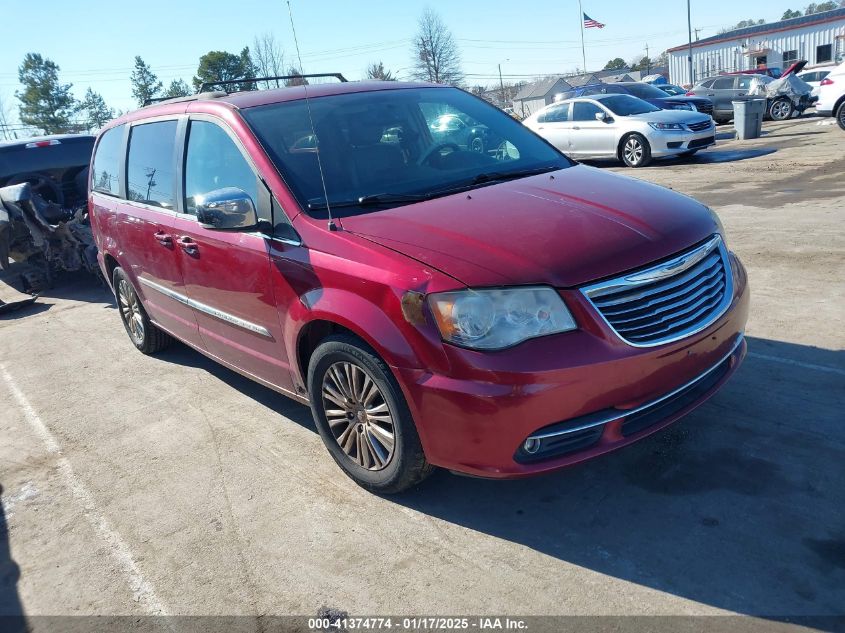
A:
[476,419]
[674,143]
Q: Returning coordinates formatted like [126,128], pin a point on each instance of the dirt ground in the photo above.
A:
[138,485]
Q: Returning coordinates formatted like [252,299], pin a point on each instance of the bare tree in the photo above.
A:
[268,56]
[436,55]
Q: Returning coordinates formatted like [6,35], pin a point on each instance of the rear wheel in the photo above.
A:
[840,115]
[635,150]
[144,335]
[781,110]
[362,417]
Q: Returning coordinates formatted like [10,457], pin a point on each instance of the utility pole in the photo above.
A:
[696,34]
[689,49]
[501,83]
[647,61]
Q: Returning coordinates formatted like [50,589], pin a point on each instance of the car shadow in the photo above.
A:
[738,506]
[11,610]
[730,155]
[181,354]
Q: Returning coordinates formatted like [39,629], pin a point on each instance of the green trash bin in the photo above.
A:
[748,117]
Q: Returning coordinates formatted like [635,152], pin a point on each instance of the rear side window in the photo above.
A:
[555,114]
[107,162]
[214,162]
[723,83]
[150,170]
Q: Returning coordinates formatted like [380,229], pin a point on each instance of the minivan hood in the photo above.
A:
[562,229]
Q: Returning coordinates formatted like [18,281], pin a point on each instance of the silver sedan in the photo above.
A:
[623,127]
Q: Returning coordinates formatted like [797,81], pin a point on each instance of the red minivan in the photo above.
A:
[462,295]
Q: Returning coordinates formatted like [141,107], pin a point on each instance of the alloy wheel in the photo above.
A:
[358,415]
[477,145]
[130,311]
[780,109]
[633,151]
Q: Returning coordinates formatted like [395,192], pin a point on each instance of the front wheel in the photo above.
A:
[362,417]
[840,115]
[781,110]
[636,152]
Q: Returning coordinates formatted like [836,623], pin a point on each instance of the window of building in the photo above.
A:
[107,162]
[761,61]
[789,57]
[151,174]
[824,53]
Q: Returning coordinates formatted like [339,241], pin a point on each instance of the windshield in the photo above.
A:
[626,105]
[673,90]
[380,147]
[645,91]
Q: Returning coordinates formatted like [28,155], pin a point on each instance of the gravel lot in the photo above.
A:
[137,485]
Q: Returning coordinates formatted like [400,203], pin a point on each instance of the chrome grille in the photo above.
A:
[699,127]
[669,301]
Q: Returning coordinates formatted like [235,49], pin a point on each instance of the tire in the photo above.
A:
[781,110]
[343,365]
[635,150]
[145,336]
[722,121]
[840,115]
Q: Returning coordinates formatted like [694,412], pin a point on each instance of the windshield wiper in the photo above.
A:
[369,200]
[496,176]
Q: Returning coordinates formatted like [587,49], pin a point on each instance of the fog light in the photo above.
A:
[532,445]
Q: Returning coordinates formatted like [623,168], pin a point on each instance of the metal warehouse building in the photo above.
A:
[818,38]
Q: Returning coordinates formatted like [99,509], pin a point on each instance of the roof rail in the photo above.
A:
[204,87]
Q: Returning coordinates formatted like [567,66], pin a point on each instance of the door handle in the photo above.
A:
[188,245]
[711,94]
[163,238]
[575,127]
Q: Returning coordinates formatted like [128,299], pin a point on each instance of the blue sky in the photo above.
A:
[95,41]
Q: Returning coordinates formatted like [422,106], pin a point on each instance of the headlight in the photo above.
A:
[667,126]
[499,318]
[683,106]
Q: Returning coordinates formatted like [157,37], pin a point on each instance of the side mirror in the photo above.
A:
[601,116]
[229,208]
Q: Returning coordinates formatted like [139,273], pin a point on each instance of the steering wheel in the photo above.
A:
[434,149]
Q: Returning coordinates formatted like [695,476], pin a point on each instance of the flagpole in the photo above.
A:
[583,51]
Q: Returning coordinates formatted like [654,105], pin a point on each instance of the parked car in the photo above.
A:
[672,90]
[43,207]
[56,166]
[647,92]
[500,314]
[832,95]
[622,127]
[814,77]
[463,132]
[724,89]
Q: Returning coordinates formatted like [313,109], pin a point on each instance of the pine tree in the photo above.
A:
[45,104]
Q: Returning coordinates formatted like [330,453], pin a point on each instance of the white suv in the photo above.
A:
[832,95]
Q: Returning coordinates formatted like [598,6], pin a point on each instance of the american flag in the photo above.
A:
[590,23]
